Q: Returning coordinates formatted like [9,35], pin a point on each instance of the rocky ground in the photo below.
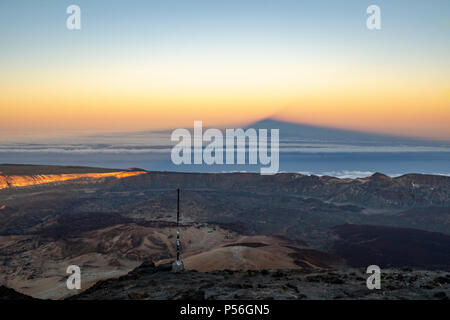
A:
[11,294]
[108,225]
[149,282]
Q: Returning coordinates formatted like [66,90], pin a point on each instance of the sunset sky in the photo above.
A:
[143,65]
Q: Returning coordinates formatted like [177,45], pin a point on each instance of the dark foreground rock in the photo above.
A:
[11,294]
[158,282]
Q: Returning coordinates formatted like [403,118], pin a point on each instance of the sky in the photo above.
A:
[146,65]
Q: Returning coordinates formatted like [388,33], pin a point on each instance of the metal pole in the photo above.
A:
[178,223]
[178,265]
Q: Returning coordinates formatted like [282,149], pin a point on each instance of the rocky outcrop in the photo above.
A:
[149,282]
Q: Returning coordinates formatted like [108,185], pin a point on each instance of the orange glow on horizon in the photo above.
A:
[24,181]
[413,114]
[123,98]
